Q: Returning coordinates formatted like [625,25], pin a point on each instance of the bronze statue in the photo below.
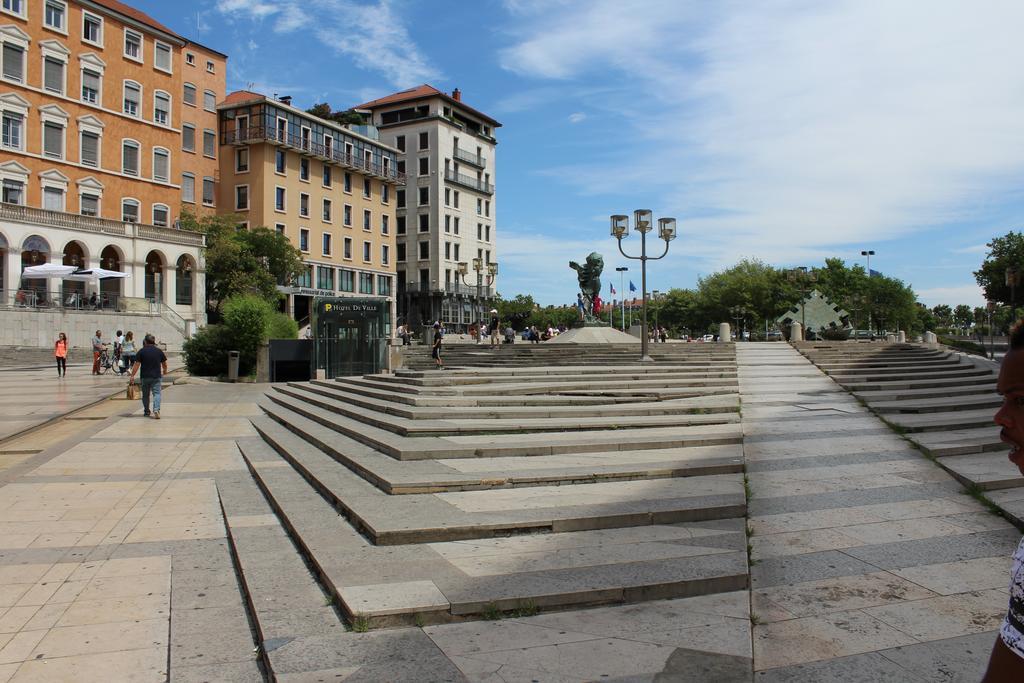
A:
[589,276]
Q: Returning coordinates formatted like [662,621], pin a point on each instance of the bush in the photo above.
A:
[207,352]
[248,318]
[281,326]
[965,346]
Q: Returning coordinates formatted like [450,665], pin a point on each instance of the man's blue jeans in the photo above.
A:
[150,384]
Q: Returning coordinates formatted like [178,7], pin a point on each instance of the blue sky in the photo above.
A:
[787,131]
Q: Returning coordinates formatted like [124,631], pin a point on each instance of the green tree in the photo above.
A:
[963,316]
[1004,252]
[243,261]
[943,315]
[323,110]
[925,318]
[515,311]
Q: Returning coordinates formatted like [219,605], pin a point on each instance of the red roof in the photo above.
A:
[135,14]
[242,96]
[418,93]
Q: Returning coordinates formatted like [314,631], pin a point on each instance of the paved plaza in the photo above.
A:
[731,513]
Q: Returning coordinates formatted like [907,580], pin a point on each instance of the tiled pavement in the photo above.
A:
[869,562]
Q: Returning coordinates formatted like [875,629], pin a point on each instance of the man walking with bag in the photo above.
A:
[151,362]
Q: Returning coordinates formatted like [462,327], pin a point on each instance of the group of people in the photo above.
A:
[149,362]
[656,334]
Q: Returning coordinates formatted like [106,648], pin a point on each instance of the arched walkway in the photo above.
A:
[155,266]
[184,290]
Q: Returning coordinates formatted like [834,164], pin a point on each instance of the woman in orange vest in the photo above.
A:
[60,351]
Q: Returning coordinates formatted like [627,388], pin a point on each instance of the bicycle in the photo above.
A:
[108,362]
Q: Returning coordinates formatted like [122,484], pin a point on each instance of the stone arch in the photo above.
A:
[185,280]
[156,270]
[35,251]
[74,254]
[112,258]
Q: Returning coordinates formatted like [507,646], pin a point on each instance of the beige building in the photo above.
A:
[446,207]
[97,100]
[329,188]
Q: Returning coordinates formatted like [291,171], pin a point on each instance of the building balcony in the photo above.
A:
[78,222]
[470,158]
[469,181]
[331,154]
[449,289]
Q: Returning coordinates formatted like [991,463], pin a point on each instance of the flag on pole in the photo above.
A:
[632,287]
[611,287]
[874,273]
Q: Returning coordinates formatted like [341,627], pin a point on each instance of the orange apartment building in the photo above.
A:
[329,188]
[109,134]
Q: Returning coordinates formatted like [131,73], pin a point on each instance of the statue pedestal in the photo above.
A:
[591,323]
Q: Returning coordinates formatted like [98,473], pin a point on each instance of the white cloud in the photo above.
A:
[577,117]
[973,249]
[372,35]
[785,129]
[970,294]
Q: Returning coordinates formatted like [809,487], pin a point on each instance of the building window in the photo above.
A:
[327,210]
[133,45]
[13,192]
[279,228]
[89,205]
[188,137]
[242,160]
[367,219]
[241,197]
[345,280]
[347,245]
[399,199]
[348,183]
[161,165]
[447,223]
[366,251]
[130,157]
[456,226]
[162,56]
[367,188]
[479,231]
[279,162]
[190,59]
[326,180]
[400,252]
[424,196]
[303,204]
[92,29]
[303,239]
[305,277]
[279,199]
[129,211]
[132,98]
[448,250]
[400,225]
[455,196]
[325,276]
[385,228]
[424,140]
[424,166]
[53,140]
[346,215]
[400,142]
[303,168]
[55,15]
[424,222]
[210,68]
[479,207]
[424,250]
[366,279]
[91,86]
[487,208]
[53,75]
[161,215]
[188,188]
[53,199]
[209,144]
[487,233]
[384,284]
[327,244]
[385,193]
[89,154]
[456,251]
[14,62]
[209,198]
[188,95]
[209,100]
[385,254]
[401,165]
[162,108]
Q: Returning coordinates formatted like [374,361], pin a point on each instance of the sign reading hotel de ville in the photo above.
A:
[306,291]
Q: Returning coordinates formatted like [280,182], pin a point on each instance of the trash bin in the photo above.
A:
[233,366]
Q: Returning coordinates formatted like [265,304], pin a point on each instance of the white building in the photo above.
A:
[446,209]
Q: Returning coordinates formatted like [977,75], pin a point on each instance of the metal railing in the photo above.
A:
[75,221]
[41,298]
[449,288]
[333,154]
[469,181]
[470,157]
[173,318]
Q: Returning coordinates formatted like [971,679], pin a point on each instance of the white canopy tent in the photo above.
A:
[96,274]
[48,270]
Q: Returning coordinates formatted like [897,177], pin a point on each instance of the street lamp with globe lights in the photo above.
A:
[479,268]
[643,222]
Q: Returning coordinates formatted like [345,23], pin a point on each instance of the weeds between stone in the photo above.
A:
[360,623]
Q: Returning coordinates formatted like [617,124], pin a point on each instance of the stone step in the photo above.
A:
[502,400]
[455,580]
[988,471]
[915,394]
[433,476]
[722,404]
[497,374]
[451,378]
[425,518]
[890,368]
[968,401]
[520,444]
[457,424]
[921,374]
[381,382]
[858,385]
[960,441]
[942,422]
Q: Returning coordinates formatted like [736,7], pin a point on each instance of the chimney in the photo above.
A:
[286,99]
[457,95]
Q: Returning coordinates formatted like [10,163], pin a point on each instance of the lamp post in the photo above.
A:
[478,267]
[739,314]
[868,253]
[802,276]
[644,223]
[1012,275]
[855,307]
[621,270]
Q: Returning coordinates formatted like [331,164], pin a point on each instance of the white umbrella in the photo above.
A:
[48,270]
[95,274]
